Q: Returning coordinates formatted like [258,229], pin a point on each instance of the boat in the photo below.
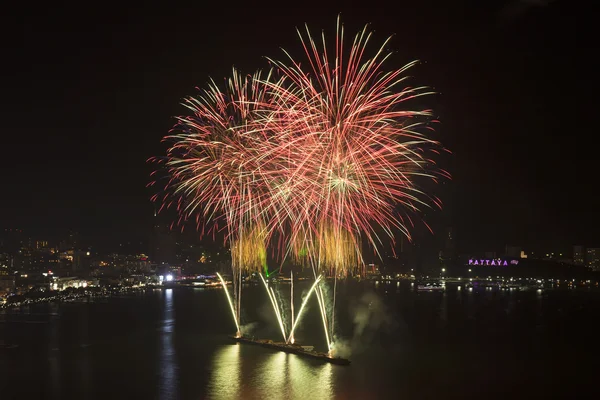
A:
[305,351]
[430,287]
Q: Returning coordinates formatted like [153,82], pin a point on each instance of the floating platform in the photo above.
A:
[304,351]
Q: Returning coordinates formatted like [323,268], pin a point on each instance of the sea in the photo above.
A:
[403,344]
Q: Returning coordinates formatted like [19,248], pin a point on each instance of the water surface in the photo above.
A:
[173,344]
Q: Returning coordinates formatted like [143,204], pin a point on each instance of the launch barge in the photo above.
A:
[305,351]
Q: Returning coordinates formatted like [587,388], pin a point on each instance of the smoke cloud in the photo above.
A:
[249,328]
[369,316]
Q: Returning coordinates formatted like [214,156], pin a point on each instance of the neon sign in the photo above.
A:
[493,262]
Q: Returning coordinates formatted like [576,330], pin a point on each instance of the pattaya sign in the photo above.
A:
[494,262]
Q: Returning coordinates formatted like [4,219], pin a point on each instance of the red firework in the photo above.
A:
[327,155]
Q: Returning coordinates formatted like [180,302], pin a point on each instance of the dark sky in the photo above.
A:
[88,93]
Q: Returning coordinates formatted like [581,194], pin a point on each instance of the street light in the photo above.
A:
[443,269]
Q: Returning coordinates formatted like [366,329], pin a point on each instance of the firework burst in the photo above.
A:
[212,165]
[213,172]
[351,146]
[327,156]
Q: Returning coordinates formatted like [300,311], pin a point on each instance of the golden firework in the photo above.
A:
[248,249]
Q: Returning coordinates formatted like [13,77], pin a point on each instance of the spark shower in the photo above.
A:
[311,159]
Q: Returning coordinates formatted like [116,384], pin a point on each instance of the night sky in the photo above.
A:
[87,95]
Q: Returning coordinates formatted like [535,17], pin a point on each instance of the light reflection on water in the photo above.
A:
[84,365]
[225,382]
[274,376]
[54,359]
[173,344]
[310,381]
[168,363]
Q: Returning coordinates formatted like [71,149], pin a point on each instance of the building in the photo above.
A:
[372,271]
[81,260]
[163,244]
[448,254]
[71,242]
[490,254]
[6,262]
[12,240]
[68,282]
[450,243]
[513,251]
[23,260]
[578,255]
[7,284]
[523,254]
[592,259]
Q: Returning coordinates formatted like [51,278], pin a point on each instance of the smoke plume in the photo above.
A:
[369,316]
[248,329]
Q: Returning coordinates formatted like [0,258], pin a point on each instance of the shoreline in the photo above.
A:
[72,296]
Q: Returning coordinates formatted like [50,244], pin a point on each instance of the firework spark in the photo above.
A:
[237,325]
[304,301]
[275,305]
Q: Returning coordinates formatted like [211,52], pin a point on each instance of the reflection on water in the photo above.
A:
[310,380]
[172,344]
[54,359]
[84,364]
[168,364]
[274,376]
[225,382]
[444,308]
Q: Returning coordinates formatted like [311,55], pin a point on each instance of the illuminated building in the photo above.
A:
[592,259]
[523,254]
[7,284]
[578,255]
[372,271]
[67,282]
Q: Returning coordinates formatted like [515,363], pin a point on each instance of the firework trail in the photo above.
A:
[275,305]
[304,301]
[237,325]
[291,336]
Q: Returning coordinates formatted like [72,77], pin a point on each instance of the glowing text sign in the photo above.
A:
[493,262]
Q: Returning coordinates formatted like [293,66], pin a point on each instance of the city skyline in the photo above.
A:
[89,99]
[12,239]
